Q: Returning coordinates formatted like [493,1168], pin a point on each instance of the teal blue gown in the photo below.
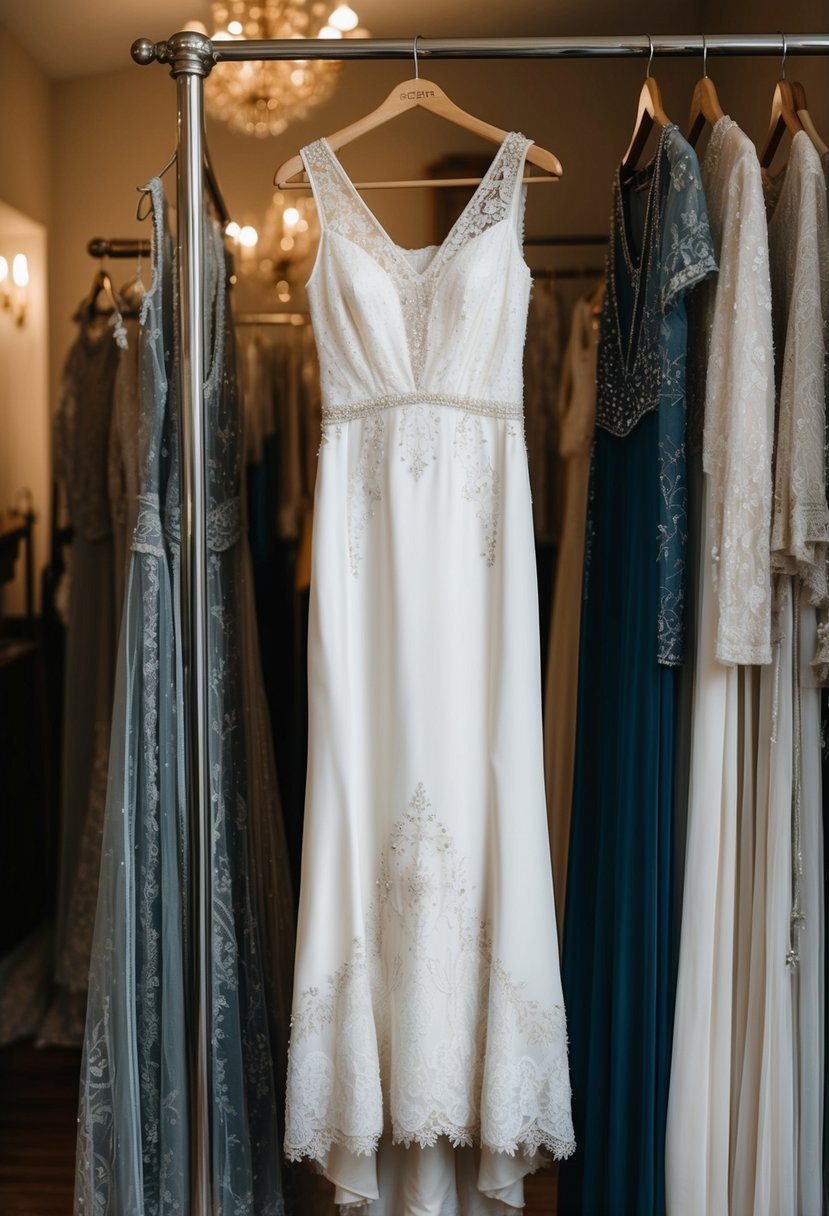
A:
[617,941]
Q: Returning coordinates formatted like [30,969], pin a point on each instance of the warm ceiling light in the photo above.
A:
[344,18]
[20,270]
[4,270]
[328,31]
[248,236]
[235,27]
[290,215]
[232,230]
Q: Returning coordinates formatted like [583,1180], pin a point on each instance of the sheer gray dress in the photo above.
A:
[133,1120]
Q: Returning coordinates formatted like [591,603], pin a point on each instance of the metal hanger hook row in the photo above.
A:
[704,57]
[783,60]
[650,56]
[414,52]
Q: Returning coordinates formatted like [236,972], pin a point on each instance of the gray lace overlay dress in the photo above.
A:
[133,1120]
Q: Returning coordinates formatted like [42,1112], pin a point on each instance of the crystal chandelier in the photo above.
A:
[262,98]
[281,253]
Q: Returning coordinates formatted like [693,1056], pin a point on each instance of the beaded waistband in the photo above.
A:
[336,414]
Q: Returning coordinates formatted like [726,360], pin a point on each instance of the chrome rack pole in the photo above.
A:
[191,60]
[600,47]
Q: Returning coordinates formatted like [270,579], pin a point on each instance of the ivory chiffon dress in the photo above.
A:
[732,572]
[428,1060]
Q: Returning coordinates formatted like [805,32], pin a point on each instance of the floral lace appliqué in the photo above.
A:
[483,484]
[364,487]
[418,438]
[471,1056]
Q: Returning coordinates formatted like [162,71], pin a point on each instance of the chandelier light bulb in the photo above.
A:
[20,270]
[4,270]
[232,230]
[261,99]
[344,18]
[248,236]
[290,216]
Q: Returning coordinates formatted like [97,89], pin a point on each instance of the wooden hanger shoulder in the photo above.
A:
[783,118]
[650,111]
[410,94]
[802,109]
[705,108]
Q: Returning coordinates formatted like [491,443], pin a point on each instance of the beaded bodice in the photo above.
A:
[444,324]
[647,277]
[660,247]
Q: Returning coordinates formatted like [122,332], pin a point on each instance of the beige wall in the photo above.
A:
[25,145]
[25,208]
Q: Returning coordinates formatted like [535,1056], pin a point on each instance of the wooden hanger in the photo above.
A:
[89,304]
[427,95]
[705,104]
[650,111]
[783,114]
[802,108]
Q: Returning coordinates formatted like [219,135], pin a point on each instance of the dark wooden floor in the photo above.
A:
[38,1110]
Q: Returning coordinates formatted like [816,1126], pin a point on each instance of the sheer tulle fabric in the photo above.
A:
[133,1126]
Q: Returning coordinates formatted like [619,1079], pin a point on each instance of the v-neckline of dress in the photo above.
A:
[637,268]
[400,251]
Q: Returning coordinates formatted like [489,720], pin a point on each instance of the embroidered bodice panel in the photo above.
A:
[738,429]
[799,252]
[660,248]
[444,324]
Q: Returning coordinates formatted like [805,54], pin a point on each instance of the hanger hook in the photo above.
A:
[414,52]
[650,56]
[783,60]
[704,56]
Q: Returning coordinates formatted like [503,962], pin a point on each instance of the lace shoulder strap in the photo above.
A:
[500,195]
[333,192]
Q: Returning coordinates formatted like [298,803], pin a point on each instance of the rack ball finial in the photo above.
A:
[143,51]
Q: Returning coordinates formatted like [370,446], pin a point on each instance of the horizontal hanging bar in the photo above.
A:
[585,238]
[295,319]
[118,247]
[601,47]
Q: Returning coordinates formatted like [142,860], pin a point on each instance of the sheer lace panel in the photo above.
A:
[343,212]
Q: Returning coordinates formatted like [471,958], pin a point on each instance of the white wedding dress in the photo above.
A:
[428,1062]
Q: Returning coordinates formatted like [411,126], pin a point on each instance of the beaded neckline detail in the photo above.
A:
[344,212]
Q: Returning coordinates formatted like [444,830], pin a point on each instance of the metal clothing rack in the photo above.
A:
[118,247]
[562,273]
[191,56]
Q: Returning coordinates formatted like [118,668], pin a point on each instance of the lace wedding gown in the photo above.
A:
[428,1060]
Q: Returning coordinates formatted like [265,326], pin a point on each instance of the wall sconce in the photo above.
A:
[14,295]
